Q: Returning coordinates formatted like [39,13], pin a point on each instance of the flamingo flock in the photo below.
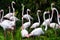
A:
[37,31]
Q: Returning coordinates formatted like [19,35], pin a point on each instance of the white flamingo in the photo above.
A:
[27,24]
[24,33]
[55,25]
[5,24]
[25,16]
[37,32]
[47,21]
[10,15]
[37,23]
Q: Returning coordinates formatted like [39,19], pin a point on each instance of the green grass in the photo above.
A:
[50,34]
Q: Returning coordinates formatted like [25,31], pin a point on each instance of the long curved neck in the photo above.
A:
[45,27]
[44,16]
[14,15]
[12,6]
[38,18]
[22,13]
[58,20]
[2,16]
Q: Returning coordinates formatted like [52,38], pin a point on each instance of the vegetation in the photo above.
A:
[33,5]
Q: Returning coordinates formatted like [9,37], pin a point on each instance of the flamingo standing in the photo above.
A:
[25,16]
[5,24]
[10,15]
[55,25]
[50,19]
[27,24]
[37,23]
[46,21]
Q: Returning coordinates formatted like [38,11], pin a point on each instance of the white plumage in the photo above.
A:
[47,21]
[54,25]
[27,24]
[26,16]
[58,19]
[37,23]
[10,15]
[6,25]
[36,32]
[24,33]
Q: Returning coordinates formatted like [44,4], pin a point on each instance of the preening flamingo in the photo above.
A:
[24,33]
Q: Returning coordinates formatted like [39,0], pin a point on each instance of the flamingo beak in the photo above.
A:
[27,35]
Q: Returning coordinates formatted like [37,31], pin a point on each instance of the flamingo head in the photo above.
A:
[22,4]
[52,4]
[13,2]
[28,10]
[38,10]
[2,10]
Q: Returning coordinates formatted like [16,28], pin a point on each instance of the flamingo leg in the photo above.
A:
[12,34]
[4,34]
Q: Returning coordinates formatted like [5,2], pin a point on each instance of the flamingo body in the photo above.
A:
[36,32]
[24,33]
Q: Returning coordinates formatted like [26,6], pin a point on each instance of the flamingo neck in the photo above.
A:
[38,18]
[44,16]
[45,27]
[12,6]
[22,13]
[58,20]
[14,15]
[2,16]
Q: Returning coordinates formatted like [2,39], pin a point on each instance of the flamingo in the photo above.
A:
[10,15]
[55,25]
[47,21]
[27,24]
[24,33]
[25,15]
[5,24]
[37,23]
[37,32]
